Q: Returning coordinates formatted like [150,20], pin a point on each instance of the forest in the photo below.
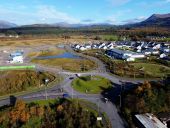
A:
[137,33]
[149,97]
[61,113]
[21,80]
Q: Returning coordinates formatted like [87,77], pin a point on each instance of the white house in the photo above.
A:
[155,52]
[163,55]
[88,46]
[110,47]
[157,46]
[147,52]
[16,57]
[165,49]
[139,47]
[82,48]
[104,47]
[77,46]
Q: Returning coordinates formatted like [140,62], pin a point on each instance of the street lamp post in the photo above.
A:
[120,95]
[46,82]
[99,118]
[72,93]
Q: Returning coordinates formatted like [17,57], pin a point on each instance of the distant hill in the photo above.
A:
[68,25]
[158,20]
[36,25]
[6,24]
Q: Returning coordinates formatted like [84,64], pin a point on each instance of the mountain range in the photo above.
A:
[159,20]
[6,24]
[162,20]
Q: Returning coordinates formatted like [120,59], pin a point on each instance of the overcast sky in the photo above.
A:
[80,11]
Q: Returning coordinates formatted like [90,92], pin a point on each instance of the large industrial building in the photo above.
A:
[126,55]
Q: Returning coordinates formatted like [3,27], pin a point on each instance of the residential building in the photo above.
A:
[16,57]
[148,121]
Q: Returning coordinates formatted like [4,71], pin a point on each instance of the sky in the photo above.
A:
[24,12]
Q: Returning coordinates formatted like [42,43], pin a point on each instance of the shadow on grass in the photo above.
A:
[113,92]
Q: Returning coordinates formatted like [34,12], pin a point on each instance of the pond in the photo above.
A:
[64,55]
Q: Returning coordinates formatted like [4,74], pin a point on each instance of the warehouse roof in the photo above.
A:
[150,121]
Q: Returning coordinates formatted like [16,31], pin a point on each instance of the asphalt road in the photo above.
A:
[55,91]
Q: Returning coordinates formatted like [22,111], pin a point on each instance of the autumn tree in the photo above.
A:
[59,108]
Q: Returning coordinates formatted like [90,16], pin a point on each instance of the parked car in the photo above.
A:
[66,95]
[71,78]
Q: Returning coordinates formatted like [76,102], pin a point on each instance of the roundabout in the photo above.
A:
[91,84]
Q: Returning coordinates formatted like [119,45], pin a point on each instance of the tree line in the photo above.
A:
[60,114]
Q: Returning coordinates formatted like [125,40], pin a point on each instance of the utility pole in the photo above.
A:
[72,93]
[120,104]
[99,118]
[98,106]
[46,82]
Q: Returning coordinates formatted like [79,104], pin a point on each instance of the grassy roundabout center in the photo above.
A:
[91,84]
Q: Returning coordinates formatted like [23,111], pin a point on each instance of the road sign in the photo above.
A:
[99,118]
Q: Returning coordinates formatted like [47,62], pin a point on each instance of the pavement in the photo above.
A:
[109,108]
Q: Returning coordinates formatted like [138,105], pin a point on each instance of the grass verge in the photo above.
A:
[91,84]
[75,65]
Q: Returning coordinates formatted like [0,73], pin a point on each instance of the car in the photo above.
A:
[66,95]
[71,78]
[78,75]
[106,100]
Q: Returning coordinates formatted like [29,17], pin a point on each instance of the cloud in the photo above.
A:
[111,20]
[51,14]
[114,19]
[135,20]
[118,2]
[39,14]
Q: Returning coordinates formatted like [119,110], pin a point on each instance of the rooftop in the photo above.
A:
[16,54]
[125,52]
[150,121]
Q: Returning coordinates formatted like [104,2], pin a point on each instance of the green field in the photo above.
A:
[167,39]
[91,84]
[75,65]
[16,67]
[153,70]
[109,37]
[50,52]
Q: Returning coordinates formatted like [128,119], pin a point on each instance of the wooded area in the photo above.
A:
[21,80]
[147,98]
[60,114]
